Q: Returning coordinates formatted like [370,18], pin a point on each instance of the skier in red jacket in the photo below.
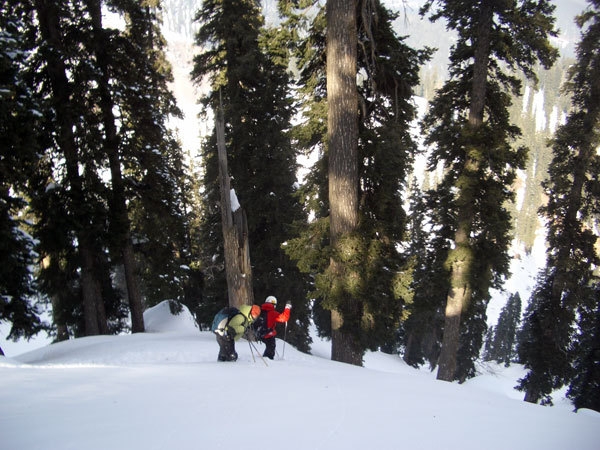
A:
[272,318]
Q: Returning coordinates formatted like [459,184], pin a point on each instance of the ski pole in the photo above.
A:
[251,352]
[284,337]
[258,353]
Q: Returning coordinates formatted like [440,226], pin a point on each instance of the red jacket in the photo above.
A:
[273,317]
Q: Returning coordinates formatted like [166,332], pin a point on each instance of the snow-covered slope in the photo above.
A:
[164,389]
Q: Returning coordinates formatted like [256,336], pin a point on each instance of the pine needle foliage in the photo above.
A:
[102,109]
[387,73]
[563,311]
[501,346]
[469,128]
[19,159]
[246,67]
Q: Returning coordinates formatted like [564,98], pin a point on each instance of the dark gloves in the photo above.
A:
[249,334]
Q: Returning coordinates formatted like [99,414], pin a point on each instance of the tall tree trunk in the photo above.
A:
[120,219]
[62,332]
[57,73]
[342,125]
[95,315]
[460,259]
[235,232]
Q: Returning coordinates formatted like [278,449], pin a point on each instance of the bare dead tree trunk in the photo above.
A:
[235,232]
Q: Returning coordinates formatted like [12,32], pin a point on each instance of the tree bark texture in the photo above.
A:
[342,123]
[460,258]
[119,216]
[235,232]
[93,305]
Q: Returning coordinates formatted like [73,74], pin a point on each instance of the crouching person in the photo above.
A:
[229,325]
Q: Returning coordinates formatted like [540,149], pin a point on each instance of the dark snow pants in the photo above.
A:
[226,348]
[270,350]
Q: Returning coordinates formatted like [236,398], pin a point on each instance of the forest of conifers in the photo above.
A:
[102,215]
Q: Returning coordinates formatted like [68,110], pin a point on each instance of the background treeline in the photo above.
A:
[96,209]
[102,215]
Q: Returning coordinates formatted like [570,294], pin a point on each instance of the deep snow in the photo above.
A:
[164,389]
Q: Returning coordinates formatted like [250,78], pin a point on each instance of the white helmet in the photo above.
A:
[271,299]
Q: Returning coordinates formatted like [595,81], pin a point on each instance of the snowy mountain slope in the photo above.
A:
[164,390]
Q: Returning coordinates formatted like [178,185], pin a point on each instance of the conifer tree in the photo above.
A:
[60,53]
[152,157]
[247,70]
[194,283]
[422,328]
[501,347]
[469,124]
[228,62]
[19,158]
[584,386]
[119,220]
[63,212]
[343,277]
[388,69]
[107,104]
[563,312]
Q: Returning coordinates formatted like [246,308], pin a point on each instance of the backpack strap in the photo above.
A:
[260,325]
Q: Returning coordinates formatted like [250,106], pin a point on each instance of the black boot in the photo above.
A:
[226,348]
